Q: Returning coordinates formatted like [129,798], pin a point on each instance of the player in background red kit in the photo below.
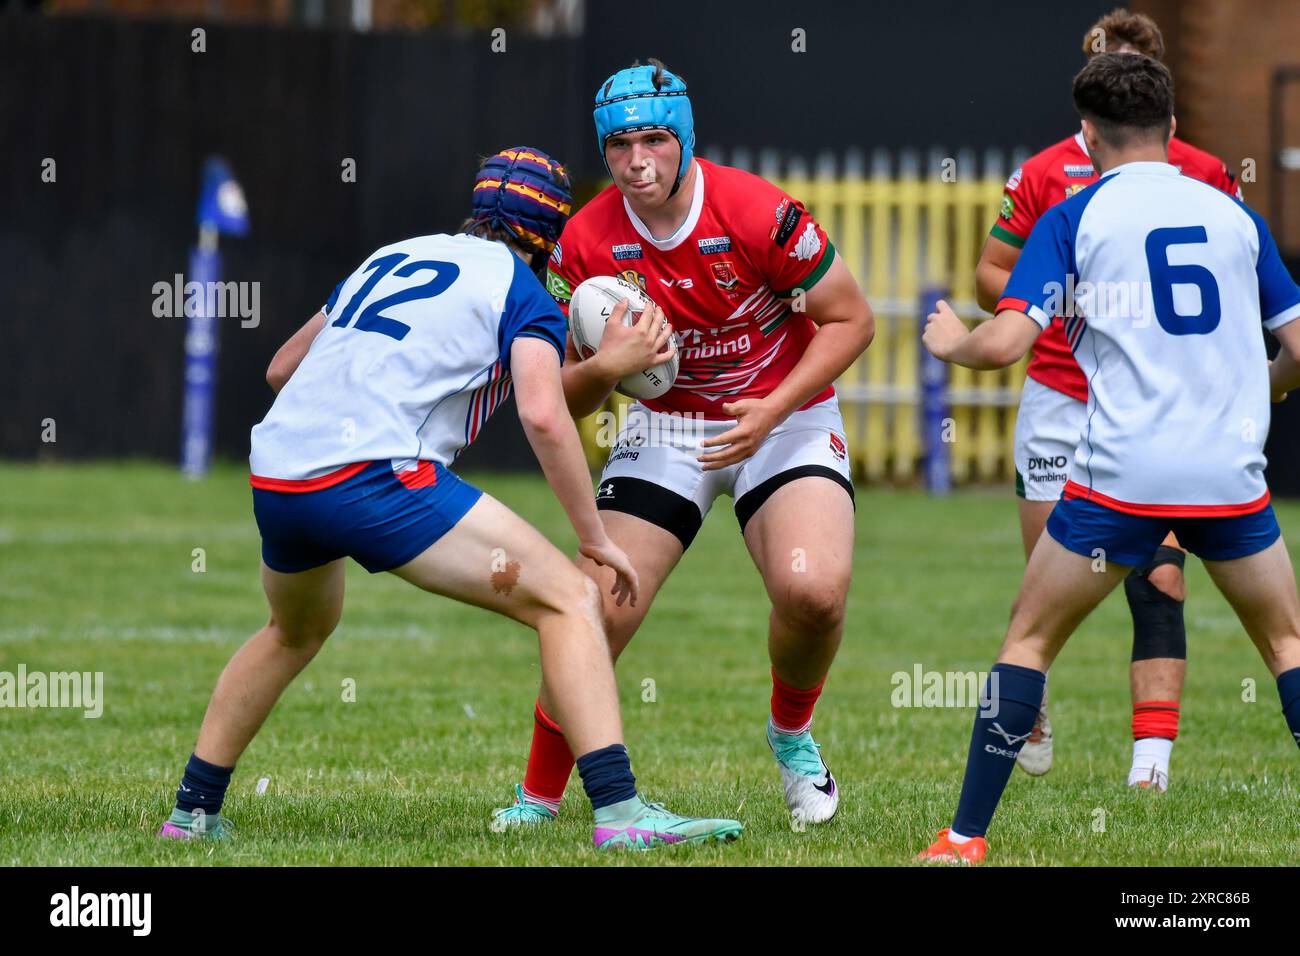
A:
[768,317]
[1053,410]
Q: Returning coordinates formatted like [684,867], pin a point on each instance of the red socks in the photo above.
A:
[792,708]
[549,761]
[1155,718]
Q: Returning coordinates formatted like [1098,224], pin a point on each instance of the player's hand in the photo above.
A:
[607,554]
[627,349]
[943,330]
[755,419]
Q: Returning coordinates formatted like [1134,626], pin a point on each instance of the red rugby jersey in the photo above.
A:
[1045,179]
[722,280]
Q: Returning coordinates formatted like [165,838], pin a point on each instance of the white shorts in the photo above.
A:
[1048,428]
[653,471]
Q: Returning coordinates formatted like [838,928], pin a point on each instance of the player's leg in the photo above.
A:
[1248,562]
[654,552]
[801,540]
[1086,552]
[1036,756]
[1156,593]
[494,559]
[1048,425]
[305,609]
[794,502]
[652,499]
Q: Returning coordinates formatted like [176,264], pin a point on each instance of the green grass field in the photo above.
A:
[96,575]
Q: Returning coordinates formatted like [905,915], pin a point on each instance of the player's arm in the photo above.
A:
[1279,308]
[624,350]
[1016,217]
[544,414]
[1023,310]
[1284,371]
[845,327]
[996,343]
[291,353]
[993,270]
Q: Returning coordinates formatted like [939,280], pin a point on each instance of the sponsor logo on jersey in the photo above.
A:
[1008,207]
[680,283]
[557,286]
[695,346]
[1014,181]
[1071,190]
[724,274]
[787,220]
[1079,171]
[715,244]
[838,448]
[632,277]
[809,244]
[556,254]
[606,490]
[626,250]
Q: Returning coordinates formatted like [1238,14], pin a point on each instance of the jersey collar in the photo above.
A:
[1145,166]
[685,229]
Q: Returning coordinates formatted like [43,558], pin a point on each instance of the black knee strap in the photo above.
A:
[1158,629]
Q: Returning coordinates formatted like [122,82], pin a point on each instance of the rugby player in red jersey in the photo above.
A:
[1053,409]
[768,316]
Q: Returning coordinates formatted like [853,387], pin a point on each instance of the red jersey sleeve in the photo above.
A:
[792,250]
[1019,209]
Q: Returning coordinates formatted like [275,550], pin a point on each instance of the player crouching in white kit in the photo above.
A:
[769,316]
[377,394]
[1178,408]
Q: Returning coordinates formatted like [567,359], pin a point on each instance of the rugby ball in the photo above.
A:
[590,308]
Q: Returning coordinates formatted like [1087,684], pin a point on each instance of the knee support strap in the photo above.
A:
[1158,629]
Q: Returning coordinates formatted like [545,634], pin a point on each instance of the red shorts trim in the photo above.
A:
[300,485]
[424,475]
[1075,490]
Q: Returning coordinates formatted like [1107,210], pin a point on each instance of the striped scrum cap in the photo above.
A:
[526,192]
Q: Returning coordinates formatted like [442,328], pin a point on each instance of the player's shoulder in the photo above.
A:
[1061,153]
[591,225]
[1196,162]
[746,205]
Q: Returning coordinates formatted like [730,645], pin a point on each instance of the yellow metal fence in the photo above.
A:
[900,235]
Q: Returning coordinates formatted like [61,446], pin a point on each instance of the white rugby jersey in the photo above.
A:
[413,358]
[1171,281]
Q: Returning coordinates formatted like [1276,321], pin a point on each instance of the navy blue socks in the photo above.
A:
[607,776]
[1008,709]
[1288,688]
[203,787]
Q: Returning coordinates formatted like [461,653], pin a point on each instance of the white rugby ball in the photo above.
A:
[590,308]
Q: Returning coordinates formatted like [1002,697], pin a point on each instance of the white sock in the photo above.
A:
[1150,752]
[957,838]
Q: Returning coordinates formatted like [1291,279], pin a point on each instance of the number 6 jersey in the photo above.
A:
[1163,283]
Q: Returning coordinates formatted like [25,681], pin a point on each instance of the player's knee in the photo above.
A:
[813,607]
[302,635]
[1155,598]
[1169,580]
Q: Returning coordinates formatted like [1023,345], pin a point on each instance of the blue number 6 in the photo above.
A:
[1165,276]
